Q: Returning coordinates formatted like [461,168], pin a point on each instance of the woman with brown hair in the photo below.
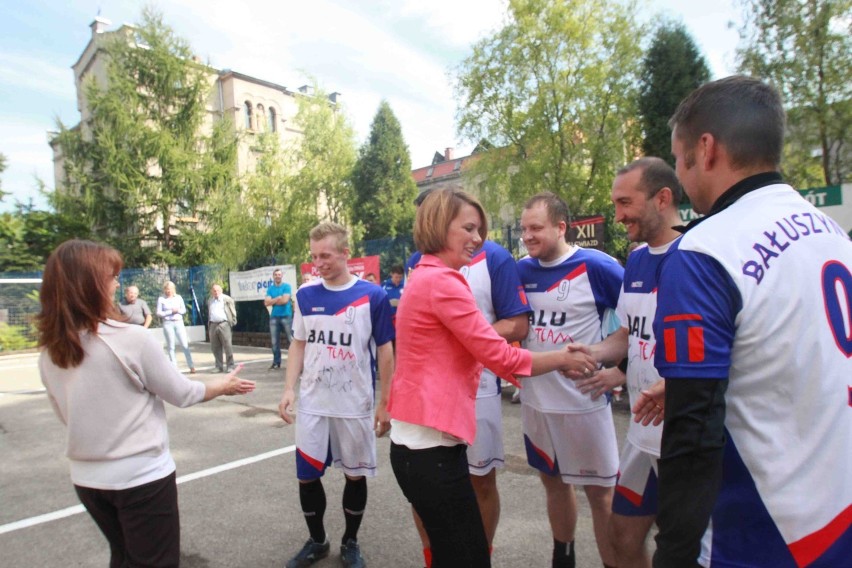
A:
[107,381]
[443,341]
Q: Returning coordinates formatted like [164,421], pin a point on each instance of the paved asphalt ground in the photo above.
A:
[238,495]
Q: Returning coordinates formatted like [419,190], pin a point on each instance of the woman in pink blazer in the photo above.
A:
[443,341]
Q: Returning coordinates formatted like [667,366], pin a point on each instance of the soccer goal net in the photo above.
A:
[18,308]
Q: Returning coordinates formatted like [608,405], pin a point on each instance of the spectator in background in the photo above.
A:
[135,309]
[171,309]
[107,382]
[393,287]
[370,277]
[222,316]
[281,316]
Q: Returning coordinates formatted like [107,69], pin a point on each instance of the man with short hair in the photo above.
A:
[135,308]
[393,286]
[754,316]
[281,316]
[569,436]
[222,316]
[342,327]
[646,195]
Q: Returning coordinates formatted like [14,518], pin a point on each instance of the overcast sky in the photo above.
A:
[399,50]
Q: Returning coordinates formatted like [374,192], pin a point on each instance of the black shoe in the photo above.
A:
[310,553]
[219,370]
[350,555]
[274,366]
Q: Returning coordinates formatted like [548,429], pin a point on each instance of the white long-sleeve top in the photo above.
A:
[112,404]
[166,305]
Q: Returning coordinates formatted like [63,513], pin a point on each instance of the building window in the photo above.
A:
[248,116]
[272,119]
[261,118]
[429,172]
[457,166]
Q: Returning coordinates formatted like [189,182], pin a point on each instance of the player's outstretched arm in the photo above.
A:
[295,361]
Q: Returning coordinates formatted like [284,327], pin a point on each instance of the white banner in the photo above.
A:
[252,284]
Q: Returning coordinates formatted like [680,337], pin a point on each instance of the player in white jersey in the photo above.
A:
[646,195]
[756,350]
[342,326]
[570,437]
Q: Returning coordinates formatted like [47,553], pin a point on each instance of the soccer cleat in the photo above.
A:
[350,555]
[310,553]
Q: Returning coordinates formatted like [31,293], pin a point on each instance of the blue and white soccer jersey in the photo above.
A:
[569,297]
[493,278]
[492,275]
[761,293]
[341,327]
[635,492]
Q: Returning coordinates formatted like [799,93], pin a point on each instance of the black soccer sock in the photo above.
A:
[563,554]
[312,498]
[354,503]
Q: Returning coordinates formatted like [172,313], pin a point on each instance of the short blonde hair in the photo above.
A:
[328,229]
[435,215]
[169,284]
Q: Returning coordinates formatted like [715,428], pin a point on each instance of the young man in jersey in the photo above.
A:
[754,319]
[341,327]
[493,278]
[570,437]
[646,195]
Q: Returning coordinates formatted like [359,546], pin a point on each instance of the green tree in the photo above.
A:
[28,235]
[804,47]
[554,91]
[672,68]
[384,188]
[291,188]
[140,168]
[324,157]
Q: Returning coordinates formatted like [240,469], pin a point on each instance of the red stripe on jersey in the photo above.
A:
[570,276]
[695,343]
[523,296]
[478,258]
[670,342]
[631,496]
[359,302]
[315,463]
[810,548]
[682,317]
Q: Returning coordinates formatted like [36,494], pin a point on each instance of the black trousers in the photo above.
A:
[141,524]
[436,482]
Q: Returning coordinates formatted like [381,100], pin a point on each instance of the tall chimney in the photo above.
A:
[448,154]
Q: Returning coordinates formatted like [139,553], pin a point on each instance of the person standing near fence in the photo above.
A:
[134,308]
[222,316]
[281,317]
[171,309]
